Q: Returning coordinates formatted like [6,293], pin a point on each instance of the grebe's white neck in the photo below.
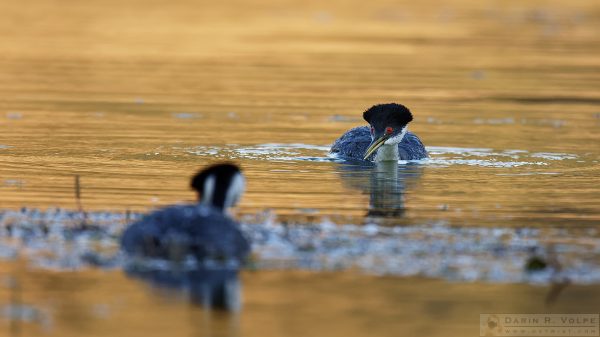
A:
[389,150]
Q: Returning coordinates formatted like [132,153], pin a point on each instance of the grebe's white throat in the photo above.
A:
[389,150]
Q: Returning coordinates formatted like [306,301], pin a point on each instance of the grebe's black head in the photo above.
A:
[388,124]
[219,185]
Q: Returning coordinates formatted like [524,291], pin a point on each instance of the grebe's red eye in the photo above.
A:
[388,130]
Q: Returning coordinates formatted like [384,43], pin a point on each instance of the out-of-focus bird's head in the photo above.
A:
[219,185]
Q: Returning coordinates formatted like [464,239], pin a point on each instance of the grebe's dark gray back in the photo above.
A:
[175,232]
[387,137]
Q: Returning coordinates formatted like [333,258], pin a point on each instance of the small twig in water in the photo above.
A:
[79,203]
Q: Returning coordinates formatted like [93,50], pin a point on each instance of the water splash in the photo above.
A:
[485,157]
[439,156]
[269,151]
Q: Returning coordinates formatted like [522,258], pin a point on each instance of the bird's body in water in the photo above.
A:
[179,231]
[200,232]
[385,139]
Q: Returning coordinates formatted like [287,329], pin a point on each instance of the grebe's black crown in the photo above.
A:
[388,114]
[215,184]
[223,174]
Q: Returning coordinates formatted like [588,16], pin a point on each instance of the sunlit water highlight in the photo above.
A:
[134,96]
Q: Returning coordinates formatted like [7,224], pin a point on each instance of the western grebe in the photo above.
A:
[385,139]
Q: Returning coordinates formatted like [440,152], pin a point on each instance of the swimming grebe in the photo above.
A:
[201,230]
[386,139]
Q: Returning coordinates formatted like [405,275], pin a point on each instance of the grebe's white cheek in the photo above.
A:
[208,191]
[397,138]
[241,191]
[235,190]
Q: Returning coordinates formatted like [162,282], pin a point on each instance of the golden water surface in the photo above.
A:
[134,96]
[119,91]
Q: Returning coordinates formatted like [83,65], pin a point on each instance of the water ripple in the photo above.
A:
[440,156]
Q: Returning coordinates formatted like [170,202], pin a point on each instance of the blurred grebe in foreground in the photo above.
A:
[387,138]
[202,230]
[200,233]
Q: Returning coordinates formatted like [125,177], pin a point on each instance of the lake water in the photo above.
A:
[136,96]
